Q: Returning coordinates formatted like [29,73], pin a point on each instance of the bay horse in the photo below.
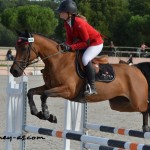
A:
[128,92]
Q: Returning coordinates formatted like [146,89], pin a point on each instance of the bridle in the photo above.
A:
[26,62]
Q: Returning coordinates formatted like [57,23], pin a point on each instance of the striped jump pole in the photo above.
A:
[108,129]
[120,131]
[99,147]
[87,138]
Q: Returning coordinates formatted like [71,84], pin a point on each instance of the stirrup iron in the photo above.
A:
[89,90]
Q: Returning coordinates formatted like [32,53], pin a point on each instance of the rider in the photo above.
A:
[81,35]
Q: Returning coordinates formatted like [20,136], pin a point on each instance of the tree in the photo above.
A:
[4,4]
[105,15]
[138,25]
[9,18]
[126,22]
[7,37]
[139,7]
[31,17]
[139,31]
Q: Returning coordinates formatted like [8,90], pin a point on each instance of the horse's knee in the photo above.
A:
[43,96]
[30,93]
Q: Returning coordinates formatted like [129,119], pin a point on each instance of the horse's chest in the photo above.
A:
[50,80]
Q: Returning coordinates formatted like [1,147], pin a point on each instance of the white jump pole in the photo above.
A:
[75,119]
[16,111]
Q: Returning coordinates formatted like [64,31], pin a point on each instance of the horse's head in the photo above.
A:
[25,53]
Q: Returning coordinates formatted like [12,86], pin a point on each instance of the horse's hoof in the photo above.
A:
[46,115]
[146,129]
[52,119]
[34,111]
[40,115]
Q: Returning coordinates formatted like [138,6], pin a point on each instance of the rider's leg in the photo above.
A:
[90,53]
[90,73]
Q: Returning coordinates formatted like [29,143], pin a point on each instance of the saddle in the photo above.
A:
[103,70]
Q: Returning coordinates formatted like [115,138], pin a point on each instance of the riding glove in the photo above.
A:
[65,47]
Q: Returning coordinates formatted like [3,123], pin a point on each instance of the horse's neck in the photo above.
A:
[46,48]
[54,60]
[61,63]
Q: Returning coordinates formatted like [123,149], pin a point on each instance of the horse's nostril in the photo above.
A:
[14,72]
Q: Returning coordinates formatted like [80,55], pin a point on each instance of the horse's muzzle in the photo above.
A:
[16,71]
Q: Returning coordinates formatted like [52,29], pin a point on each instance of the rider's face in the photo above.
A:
[63,15]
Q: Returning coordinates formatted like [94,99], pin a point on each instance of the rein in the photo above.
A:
[49,56]
[27,62]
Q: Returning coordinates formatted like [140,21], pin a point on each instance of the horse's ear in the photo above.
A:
[18,32]
[26,33]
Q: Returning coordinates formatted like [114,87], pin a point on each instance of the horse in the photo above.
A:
[128,92]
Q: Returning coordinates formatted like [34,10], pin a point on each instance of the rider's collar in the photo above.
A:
[69,22]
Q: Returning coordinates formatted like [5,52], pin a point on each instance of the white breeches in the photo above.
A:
[90,53]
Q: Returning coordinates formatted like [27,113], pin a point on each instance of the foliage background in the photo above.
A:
[126,22]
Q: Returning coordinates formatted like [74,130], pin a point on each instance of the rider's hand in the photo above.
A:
[65,47]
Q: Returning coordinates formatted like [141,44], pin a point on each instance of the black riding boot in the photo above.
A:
[90,73]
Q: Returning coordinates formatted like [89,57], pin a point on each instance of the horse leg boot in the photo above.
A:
[145,127]
[90,73]
[45,113]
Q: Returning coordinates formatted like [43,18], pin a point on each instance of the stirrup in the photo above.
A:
[89,90]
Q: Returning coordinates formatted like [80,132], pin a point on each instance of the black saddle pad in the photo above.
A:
[105,74]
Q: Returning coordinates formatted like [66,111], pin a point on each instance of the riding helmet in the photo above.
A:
[68,6]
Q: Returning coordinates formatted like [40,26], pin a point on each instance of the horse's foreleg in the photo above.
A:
[45,112]
[30,94]
[61,91]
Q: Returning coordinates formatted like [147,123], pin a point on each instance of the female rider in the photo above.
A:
[81,35]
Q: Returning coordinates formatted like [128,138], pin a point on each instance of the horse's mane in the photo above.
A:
[49,38]
[145,69]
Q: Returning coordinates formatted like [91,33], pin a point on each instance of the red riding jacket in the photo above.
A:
[81,34]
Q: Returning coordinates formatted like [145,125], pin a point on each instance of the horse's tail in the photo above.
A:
[145,69]
[148,110]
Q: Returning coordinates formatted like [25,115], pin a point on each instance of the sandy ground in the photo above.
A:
[99,113]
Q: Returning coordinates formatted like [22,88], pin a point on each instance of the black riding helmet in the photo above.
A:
[68,6]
